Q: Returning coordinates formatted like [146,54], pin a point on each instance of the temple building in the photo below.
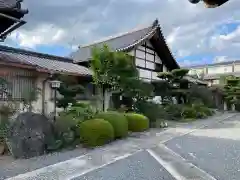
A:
[147,45]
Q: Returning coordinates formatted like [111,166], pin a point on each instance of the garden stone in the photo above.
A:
[29,135]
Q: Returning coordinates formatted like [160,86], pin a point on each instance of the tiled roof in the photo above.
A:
[120,42]
[130,40]
[49,63]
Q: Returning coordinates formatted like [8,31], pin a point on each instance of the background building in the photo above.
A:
[213,72]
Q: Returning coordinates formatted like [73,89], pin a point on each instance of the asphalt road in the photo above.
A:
[140,166]
[215,149]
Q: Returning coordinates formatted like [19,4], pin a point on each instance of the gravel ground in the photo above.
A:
[140,166]
[215,149]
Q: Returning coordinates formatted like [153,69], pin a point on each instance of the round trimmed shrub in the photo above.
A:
[96,132]
[117,120]
[137,122]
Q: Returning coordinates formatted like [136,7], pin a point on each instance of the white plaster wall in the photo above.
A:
[158,60]
[164,68]
[220,69]
[237,67]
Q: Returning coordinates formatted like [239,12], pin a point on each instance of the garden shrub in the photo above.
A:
[151,110]
[200,115]
[137,122]
[65,122]
[174,111]
[117,120]
[189,113]
[82,111]
[65,129]
[207,111]
[96,132]
[202,109]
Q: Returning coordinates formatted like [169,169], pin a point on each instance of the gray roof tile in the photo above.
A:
[43,61]
[115,43]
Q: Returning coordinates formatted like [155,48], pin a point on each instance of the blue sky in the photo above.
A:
[196,35]
[207,58]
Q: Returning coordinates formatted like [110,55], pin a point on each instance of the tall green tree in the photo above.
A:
[116,72]
[232,91]
[174,85]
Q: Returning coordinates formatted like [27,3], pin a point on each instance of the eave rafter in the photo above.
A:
[11,17]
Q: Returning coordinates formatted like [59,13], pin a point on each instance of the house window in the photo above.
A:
[17,87]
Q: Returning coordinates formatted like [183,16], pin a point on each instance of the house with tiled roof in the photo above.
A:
[26,70]
[11,14]
[148,47]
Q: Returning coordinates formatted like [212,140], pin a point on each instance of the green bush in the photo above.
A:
[65,128]
[200,108]
[82,111]
[137,122]
[189,113]
[65,122]
[174,111]
[151,110]
[117,120]
[207,111]
[201,115]
[96,132]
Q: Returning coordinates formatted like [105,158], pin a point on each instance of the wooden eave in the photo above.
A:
[159,43]
[10,20]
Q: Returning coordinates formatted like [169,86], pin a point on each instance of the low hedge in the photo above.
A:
[137,122]
[117,120]
[96,132]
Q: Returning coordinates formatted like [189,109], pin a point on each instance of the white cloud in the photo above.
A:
[43,34]
[189,29]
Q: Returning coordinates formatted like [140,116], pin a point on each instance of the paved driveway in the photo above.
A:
[214,149]
[186,152]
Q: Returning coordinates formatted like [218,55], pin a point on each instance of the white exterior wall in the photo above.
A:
[219,69]
[237,68]
[145,60]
